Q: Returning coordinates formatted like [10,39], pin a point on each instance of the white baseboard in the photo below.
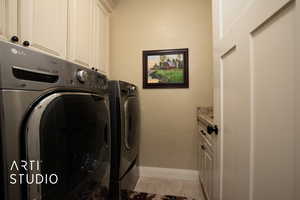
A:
[156,172]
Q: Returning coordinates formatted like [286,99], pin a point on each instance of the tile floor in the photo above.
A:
[187,188]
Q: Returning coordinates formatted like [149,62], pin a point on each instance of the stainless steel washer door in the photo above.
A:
[69,134]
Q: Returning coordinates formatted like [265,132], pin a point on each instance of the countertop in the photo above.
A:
[205,115]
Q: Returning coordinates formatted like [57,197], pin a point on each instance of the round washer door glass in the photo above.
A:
[69,133]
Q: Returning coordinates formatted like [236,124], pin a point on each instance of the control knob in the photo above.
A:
[82,76]
[132,88]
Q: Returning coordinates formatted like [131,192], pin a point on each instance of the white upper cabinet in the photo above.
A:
[2,18]
[44,24]
[76,30]
[101,38]
[8,19]
[81,32]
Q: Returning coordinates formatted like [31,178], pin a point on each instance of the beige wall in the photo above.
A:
[168,115]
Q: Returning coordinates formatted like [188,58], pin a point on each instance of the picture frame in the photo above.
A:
[167,68]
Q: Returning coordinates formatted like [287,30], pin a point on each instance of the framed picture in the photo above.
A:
[166,68]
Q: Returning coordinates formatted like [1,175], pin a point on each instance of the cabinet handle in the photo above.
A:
[106,135]
[216,130]
[26,43]
[211,129]
[14,39]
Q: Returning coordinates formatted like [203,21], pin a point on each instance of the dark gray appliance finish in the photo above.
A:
[58,113]
[125,132]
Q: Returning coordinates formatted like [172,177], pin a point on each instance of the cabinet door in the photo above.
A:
[81,32]
[8,18]
[2,18]
[44,25]
[200,160]
[101,33]
[208,174]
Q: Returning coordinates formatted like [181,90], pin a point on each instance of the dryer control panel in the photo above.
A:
[128,89]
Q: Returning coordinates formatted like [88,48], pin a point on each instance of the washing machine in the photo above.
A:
[125,136]
[55,128]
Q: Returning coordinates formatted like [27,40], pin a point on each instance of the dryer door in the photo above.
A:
[131,133]
[69,134]
[1,172]
[131,111]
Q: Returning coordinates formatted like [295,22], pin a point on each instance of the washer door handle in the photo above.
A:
[106,133]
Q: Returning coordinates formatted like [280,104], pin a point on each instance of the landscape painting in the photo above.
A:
[165,68]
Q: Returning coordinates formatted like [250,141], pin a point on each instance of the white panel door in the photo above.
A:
[8,18]
[256,62]
[44,25]
[101,40]
[81,31]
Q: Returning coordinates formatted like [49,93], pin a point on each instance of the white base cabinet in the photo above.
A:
[208,167]
[206,162]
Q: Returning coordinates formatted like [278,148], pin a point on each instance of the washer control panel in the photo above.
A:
[82,76]
[89,79]
[24,69]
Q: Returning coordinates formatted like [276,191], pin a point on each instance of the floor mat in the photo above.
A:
[130,195]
